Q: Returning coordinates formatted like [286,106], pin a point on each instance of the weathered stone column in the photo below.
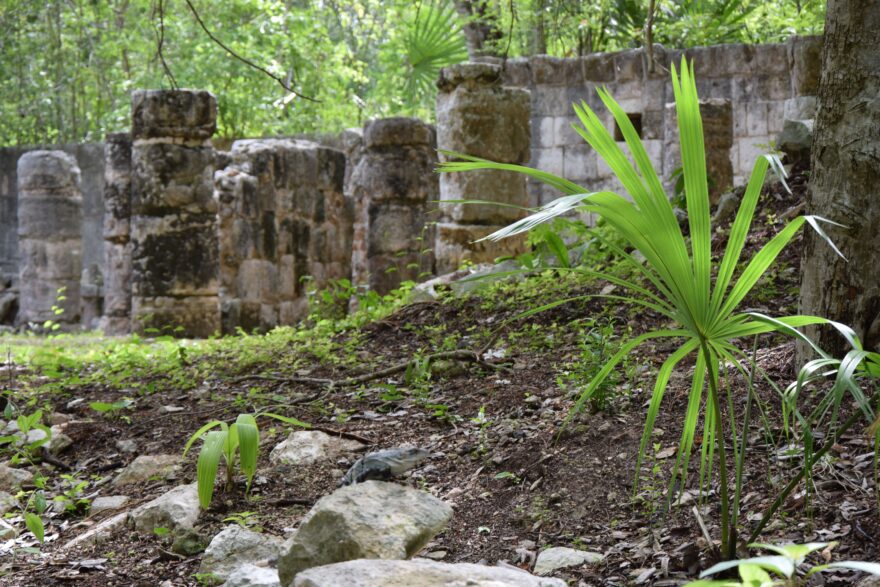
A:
[49,233]
[175,267]
[117,233]
[477,116]
[717,116]
[392,186]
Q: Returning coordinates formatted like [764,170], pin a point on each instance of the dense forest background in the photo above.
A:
[67,66]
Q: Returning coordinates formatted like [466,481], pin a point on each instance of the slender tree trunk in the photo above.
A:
[539,47]
[481,28]
[845,181]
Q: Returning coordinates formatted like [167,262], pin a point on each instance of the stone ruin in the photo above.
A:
[156,230]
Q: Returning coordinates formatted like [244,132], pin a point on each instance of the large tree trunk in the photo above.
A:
[845,181]
[481,28]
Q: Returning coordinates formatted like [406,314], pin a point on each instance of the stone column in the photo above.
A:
[717,116]
[49,233]
[175,266]
[117,233]
[477,116]
[393,186]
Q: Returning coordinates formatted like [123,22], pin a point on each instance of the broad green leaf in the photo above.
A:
[199,433]
[796,552]
[35,524]
[206,468]
[249,445]
[864,567]
[286,419]
[781,565]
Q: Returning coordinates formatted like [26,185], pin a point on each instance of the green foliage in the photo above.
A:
[434,41]
[241,439]
[696,294]
[68,67]
[755,572]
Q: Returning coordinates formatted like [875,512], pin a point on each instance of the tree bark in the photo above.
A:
[845,181]
[481,28]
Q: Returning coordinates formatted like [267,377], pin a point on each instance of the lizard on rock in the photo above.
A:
[382,465]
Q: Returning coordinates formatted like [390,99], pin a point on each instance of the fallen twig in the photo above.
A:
[458,355]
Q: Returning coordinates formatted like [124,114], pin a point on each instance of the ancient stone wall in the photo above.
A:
[763,83]
[285,226]
[175,265]
[49,241]
[478,116]
[90,160]
[117,234]
[394,188]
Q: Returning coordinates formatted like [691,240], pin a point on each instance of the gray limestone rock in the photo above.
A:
[795,140]
[11,479]
[367,520]
[249,575]
[236,546]
[178,508]
[99,533]
[146,467]
[418,573]
[560,557]
[109,502]
[306,447]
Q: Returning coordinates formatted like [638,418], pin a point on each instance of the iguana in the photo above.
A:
[382,465]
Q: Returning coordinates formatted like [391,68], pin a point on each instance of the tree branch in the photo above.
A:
[247,62]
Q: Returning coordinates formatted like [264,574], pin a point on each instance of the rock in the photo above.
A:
[560,557]
[368,520]
[795,140]
[146,467]
[188,542]
[59,441]
[127,446]
[869,582]
[418,573]
[7,502]
[249,575]
[12,479]
[110,502]
[179,508]
[99,533]
[170,409]
[727,207]
[236,546]
[307,447]
[7,531]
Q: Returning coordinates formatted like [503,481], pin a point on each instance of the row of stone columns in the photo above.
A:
[179,240]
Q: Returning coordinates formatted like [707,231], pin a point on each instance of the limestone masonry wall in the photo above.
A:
[157,228]
[763,83]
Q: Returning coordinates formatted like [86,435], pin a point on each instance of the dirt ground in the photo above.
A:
[519,480]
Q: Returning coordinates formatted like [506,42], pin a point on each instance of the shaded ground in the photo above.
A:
[518,481]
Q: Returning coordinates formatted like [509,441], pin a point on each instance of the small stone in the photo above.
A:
[146,467]
[170,409]
[179,508]
[561,557]
[100,533]
[188,542]
[7,531]
[7,502]
[110,502]
[249,575]
[236,546]
[126,446]
[436,555]
[307,447]
[726,209]
[12,479]
[59,441]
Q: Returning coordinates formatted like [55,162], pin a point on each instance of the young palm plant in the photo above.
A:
[700,296]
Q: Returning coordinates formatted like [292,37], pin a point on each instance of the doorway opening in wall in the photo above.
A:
[636,119]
